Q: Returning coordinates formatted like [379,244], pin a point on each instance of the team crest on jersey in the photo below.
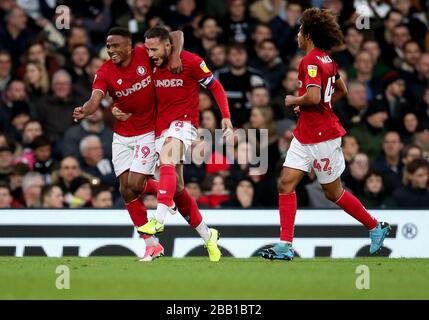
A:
[119,81]
[141,70]
[312,70]
[204,67]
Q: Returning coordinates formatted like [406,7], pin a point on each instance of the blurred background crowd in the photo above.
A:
[48,161]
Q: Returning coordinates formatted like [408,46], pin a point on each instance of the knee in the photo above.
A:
[136,187]
[332,195]
[126,193]
[285,185]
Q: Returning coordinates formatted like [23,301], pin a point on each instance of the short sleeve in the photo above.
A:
[201,72]
[99,82]
[312,73]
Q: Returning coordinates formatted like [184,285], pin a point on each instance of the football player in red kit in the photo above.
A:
[127,77]
[177,120]
[317,137]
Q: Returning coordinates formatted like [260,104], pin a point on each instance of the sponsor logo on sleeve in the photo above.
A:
[204,67]
[312,70]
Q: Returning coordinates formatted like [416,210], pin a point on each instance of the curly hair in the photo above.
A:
[322,27]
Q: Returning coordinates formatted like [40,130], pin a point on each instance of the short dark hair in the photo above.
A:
[5,185]
[416,164]
[40,141]
[119,31]
[236,46]
[47,190]
[96,190]
[157,32]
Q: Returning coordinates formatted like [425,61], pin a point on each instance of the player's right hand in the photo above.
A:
[297,110]
[118,114]
[78,114]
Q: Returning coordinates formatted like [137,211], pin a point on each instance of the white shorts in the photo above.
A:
[182,130]
[136,154]
[325,158]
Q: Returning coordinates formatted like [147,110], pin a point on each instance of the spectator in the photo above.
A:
[270,64]
[353,39]
[32,185]
[38,52]
[15,183]
[411,152]
[215,191]
[102,197]
[55,111]
[80,193]
[395,54]
[69,169]
[390,164]
[137,18]
[393,99]
[350,111]
[375,195]
[374,50]
[5,69]
[238,80]
[80,58]
[422,138]
[409,127]
[415,194]
[52,196]
[289,86]
[14,95]
[238,25]
[6,161]
[420,80]
[384,34]
[359,168]
[369,134]
[194,189]
[363,71]
[94,163]
[209,37]
[422,107]
[350,149]
[92,125]
[44,163]
[262,32]
[244,196]
[16,35]
[182,15]
[36,80]
[217,57]
[412,54]
[5,196]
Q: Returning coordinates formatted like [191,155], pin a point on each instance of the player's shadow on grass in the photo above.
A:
[256,253]
[200,251]
[364,252]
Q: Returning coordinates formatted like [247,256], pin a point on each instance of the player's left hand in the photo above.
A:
[175,64]
[227,127]
[289,100]
[118,114]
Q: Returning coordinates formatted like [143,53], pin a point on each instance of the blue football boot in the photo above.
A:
[280,251]
[377,236]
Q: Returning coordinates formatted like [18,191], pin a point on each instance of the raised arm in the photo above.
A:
[177,40]
[88,107]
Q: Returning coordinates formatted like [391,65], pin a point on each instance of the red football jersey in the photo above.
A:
[177,94]
[317,123]
[132,90]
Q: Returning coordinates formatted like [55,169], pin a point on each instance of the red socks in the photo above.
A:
[137,211]
[167,184]
[188,208]
[350,204]
[287,207]
[151,186]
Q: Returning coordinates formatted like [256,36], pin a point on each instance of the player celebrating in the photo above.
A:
[127,78]
[177,120]
[317,137]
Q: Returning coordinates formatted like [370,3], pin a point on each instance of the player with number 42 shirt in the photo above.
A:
[317,137]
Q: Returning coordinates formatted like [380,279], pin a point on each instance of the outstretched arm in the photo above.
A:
[88,107]
[174,63]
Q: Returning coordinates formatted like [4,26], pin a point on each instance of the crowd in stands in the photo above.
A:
[48,161]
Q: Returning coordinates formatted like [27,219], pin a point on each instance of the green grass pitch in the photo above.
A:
[197,278]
